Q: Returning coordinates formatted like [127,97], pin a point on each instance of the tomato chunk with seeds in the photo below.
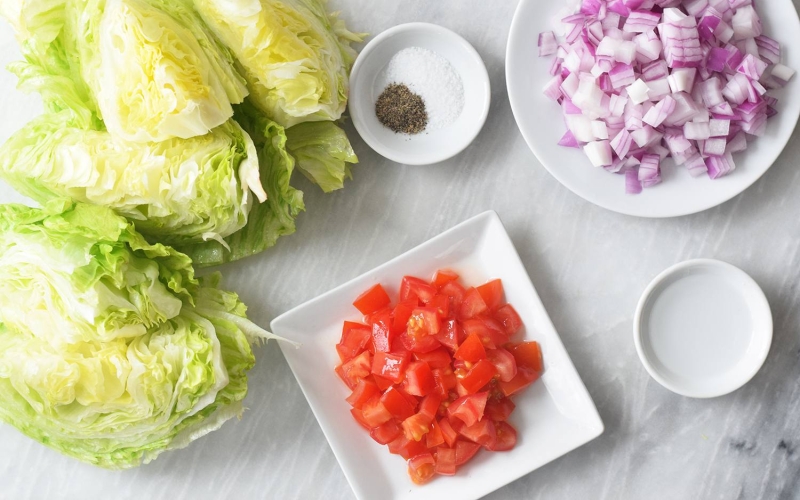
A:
[424,321]
[390,366]
[478,376]
[416,426]
[375,413]
[505,437]
[355,369]
[421,468]
[373,299]
[492,293]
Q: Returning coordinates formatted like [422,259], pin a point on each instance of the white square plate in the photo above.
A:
[554,416]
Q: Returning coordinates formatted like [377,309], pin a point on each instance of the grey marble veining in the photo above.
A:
[589,266]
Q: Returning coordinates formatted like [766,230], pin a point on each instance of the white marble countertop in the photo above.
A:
[589,266]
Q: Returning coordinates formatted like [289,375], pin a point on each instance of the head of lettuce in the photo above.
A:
[111,351]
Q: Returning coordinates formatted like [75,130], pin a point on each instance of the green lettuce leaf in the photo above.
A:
[111,351]
[296,57]
[323,153]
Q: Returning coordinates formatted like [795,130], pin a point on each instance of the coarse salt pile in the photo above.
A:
[430,76]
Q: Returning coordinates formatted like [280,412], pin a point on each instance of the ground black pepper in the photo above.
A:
[401,110]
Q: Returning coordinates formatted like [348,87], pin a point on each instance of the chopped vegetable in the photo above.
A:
[642,81]
[432,376]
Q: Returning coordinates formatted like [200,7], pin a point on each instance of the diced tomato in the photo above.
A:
[448,433]
[411,287]
[507,316]
[391,366]
[456,294]
[450,335]
[364,391]
[382,383]
[484,433]
[419,379]
[400,315]
[438,358]
[416,426]
[421,468]
[492,293]
[443,277]
[445,380]
[424,321]
[472,305]
[441,304]
[382,335]
[359,416]
[373,299]
[499,409]
[506,437]
[386,432]
[421,344]
[406,448]
[468,409]
[478,376]
[396,404]
[488,330]
[471,349]
[355,369]
[504,362]
[430,406]
[375,413]
[355,338]
[445,461]
[465,450]
[528,354]
[412,400]
[434,437]
[525,377]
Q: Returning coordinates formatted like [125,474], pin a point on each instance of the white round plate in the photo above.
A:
[703,328]
[542,125]
[429,146]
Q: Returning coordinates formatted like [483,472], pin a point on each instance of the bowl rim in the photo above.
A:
[439,155]
[757,301]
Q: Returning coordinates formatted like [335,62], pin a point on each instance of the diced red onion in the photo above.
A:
[599,153]
[720,165]
[746,23]
[569,141]
[782,72]
[738,143]
[649,170]
[641,21]
[547,44]
[768,49]
[713,146]
[719,128]
[696,166]
[658,113]
[696,131]
[632,183]
[752,67]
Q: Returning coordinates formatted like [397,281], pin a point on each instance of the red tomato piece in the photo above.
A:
[499,409]
[434,437]
[400,315]
[506,437]
[386,432]
[406,448]
[445,461]
[375,413]
[525,377]
[424,321]
[382,335]
[443,277]
[355,338]
[396,404]
[382,383]
[472,305]
[455,292]
[450,335]
[478,376]
[471,349]
[465,450]
[441,304]
[507,316]
[528,354]
[364,391]
[419,379]
[373,299]
[492,293]
[445,380]
[411,287]
[416,426]
[422,344]
[504,362]
[438,358]
[355,369]
[448,433]
[391,366]
[421,468]
[484,433]
[359,416]
[468,409]
[430,406]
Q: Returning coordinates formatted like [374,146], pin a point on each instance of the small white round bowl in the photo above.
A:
[429,146]
[703,328]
